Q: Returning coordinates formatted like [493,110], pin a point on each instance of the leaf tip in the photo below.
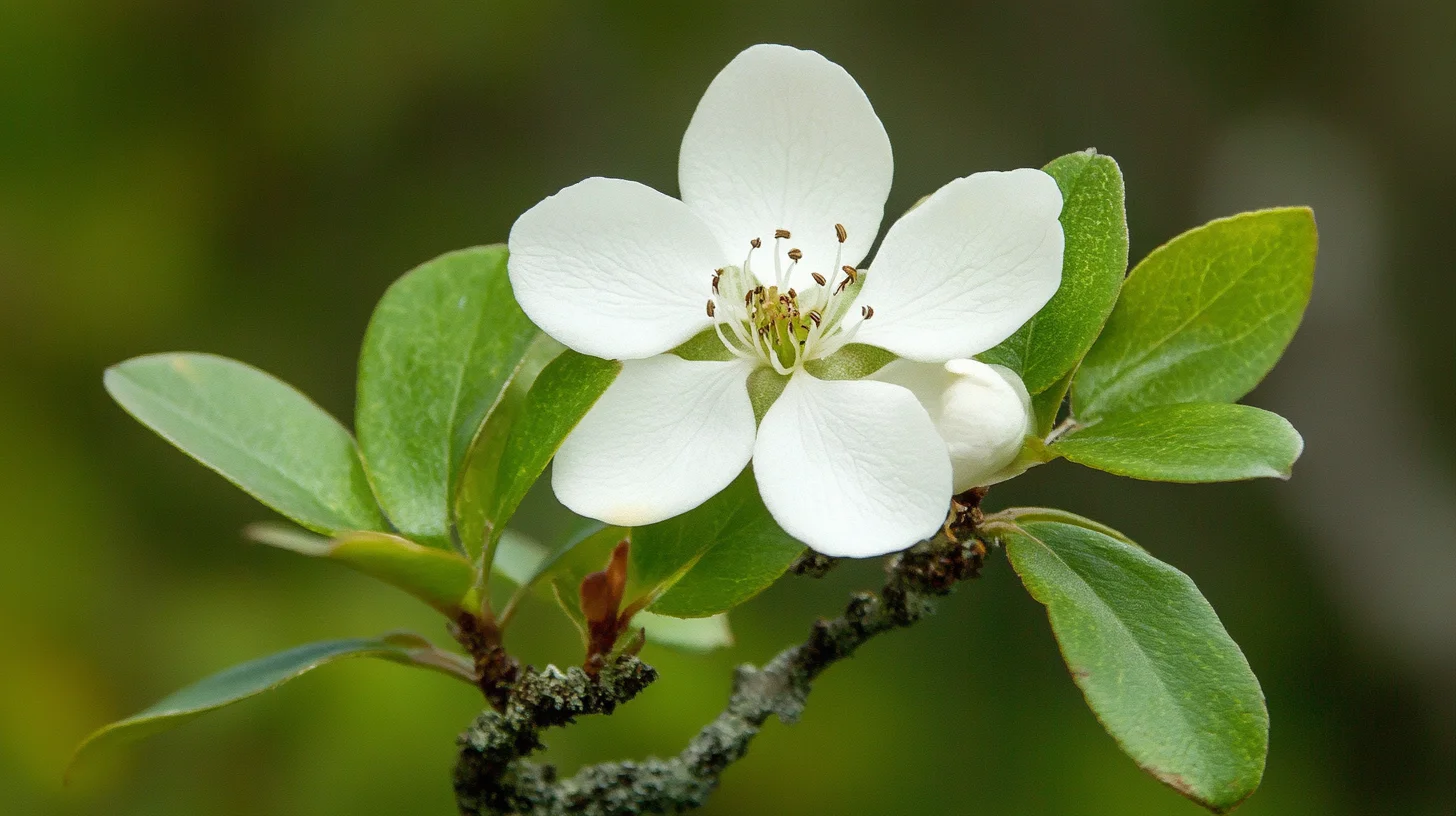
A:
[1180,784]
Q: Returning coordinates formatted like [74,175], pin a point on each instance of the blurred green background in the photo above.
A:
[246,178]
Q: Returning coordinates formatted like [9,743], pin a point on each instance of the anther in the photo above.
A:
[781,233]
[841,233]
[867,312]
[814,316]
[717,275]
[795,254]
[819,279]
[849,270]
[793,294]
[755,243]
[711,307]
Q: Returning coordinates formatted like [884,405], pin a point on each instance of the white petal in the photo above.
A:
[962,271]
[666,436]
[852,467]
[785,139]
[613,268]
[983,412]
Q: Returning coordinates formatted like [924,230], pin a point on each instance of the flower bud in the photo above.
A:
[983,412]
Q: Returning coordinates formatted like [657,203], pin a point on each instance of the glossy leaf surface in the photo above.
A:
[1153,660]
[1189,442]
[1204,317]
[440,351]
[715,556]
[255,677]
[1094,223]
[258,432]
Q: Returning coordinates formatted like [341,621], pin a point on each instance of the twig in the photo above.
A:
[492,776]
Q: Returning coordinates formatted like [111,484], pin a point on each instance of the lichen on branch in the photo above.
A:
[493,775]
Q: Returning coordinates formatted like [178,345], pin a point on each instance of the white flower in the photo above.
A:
[784,172]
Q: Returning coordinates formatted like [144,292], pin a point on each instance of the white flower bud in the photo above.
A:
[983,412]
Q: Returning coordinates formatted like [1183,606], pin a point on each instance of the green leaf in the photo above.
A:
[1094,222]
[1204,317]
[1023,515]
[256,431]
[562,394]
[441,349]
[1151,657]
[478,483]
[715,556]
[438,577]
[1190,442]
[257,676]
[1047,405]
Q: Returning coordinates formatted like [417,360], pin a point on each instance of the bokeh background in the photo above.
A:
[247,177]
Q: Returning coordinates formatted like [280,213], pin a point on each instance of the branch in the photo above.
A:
[492,776]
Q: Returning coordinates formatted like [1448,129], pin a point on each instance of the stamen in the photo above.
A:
[841,234]
[779,236]
[737,351]
[748,260]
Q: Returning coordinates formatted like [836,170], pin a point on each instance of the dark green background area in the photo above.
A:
[247,178]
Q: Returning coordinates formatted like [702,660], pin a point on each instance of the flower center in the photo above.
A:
[776,324]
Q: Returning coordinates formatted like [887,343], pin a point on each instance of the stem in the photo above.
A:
[493,776]
[495,671]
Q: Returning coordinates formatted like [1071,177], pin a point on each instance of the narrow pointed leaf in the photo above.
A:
[256,431]
[1094,222]
[1204,317]
[440,578]
[479,482]
[257,676]
[715,556]
[441,349]
[1191,442]
[565,390]
[1152,658]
